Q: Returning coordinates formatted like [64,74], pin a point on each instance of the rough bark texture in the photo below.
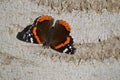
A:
[70,5]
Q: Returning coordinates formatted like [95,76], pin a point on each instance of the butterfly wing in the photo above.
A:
[27,35]
[38,31]
[61,40]
[41,32]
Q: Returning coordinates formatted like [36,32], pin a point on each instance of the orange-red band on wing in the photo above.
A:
[42,18]
[63,44]
[35,34]
[65,24]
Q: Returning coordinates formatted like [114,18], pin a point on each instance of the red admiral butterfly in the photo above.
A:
[44,31]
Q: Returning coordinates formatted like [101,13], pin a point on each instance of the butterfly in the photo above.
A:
[50,33]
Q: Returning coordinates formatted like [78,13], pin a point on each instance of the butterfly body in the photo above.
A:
[52,34]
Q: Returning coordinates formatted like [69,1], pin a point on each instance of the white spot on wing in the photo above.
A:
[65,50]
[70,47]
[31,40]
[29,34]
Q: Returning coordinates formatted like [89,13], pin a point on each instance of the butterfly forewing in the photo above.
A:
[62,41]
[37,32]
[60,34]
[43,27]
